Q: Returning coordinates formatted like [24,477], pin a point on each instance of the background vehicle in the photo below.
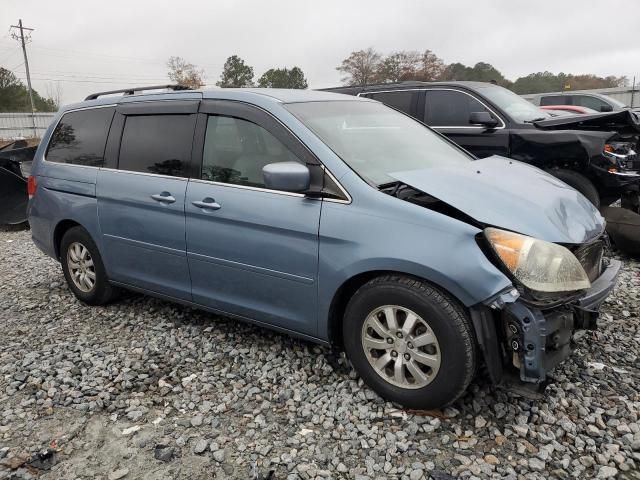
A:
[567,109]
[594,101]
[596,155]
[15,166]
[337,219]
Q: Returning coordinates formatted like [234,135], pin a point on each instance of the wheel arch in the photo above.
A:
[61,228]
[351,285]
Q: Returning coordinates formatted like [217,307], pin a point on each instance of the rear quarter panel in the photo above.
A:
[64,192]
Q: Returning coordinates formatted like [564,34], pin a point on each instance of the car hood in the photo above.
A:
[623,121]
[504,193]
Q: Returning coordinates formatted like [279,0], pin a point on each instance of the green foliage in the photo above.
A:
[364,67]
[480,72]
[236,74]
[14,96]
[548,82]
[283,78]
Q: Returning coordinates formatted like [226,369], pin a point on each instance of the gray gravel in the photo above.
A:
[148,389]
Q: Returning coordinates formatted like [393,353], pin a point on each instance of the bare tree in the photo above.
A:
[54,93]
[184,73]
[360,68]
[432,67]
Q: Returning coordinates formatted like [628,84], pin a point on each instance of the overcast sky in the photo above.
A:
[89,46]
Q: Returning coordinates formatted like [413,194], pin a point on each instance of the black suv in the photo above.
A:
[595,154]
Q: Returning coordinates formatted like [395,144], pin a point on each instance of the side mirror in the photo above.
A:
[286,176]
[606,108]
[483,118]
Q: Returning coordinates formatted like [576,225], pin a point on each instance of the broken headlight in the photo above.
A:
[538,265]
[620,154]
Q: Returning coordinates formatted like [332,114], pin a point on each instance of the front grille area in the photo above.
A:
[590,257]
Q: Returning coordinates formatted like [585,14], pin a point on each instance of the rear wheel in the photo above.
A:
[410,342]
[83,268]
[580,183]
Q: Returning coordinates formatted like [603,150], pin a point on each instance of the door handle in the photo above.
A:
[207,203]
[164,197]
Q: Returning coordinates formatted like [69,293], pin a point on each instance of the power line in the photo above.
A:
[26,66]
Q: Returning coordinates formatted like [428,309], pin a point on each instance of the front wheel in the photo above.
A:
[410,342]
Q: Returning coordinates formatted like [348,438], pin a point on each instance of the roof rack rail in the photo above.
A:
[131,91]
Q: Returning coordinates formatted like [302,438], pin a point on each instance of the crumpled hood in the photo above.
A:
[623,121]
[503,193]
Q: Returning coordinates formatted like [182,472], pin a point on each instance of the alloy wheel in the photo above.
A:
[401,346]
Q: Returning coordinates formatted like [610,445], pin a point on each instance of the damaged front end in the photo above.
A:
[555,263]
[525,335]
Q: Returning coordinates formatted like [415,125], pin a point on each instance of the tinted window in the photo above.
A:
[80,137]
[400,100]
[589,102]
[235,151]
[448,108]
[554,100]
[158,144]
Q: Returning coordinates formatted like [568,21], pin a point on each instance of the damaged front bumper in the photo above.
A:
[516,336]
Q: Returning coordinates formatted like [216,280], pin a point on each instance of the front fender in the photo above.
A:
[437,248]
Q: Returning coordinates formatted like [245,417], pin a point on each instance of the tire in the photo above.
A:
[580,183]
[92,291]
[438,314]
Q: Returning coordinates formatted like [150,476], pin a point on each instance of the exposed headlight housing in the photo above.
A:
[540,266]
[622,155]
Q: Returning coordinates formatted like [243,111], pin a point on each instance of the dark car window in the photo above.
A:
[80,137]
[236,150]
[589,102]
[450,108]
[158,144]
[555,100]
[403,101]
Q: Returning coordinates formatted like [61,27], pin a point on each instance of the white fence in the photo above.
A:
[14,125]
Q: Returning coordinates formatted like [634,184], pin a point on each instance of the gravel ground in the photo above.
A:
[148,389]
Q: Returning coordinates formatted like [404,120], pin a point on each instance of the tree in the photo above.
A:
[398,67]
[14,96]
[184,73]
[540,82]
[431,67]
[235,74]
[54,93]
[360,68]
[480,72]
[283,78]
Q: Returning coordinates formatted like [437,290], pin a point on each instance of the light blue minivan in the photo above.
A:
[330,217]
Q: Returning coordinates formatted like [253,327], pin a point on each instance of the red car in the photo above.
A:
[571,109]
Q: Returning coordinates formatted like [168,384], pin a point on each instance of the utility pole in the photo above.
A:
[26,66]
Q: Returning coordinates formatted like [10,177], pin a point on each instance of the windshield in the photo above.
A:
[519,109]
[375,140]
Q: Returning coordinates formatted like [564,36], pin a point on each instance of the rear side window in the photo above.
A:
[80,137]
[403,101]
[450,108]
[159,144]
